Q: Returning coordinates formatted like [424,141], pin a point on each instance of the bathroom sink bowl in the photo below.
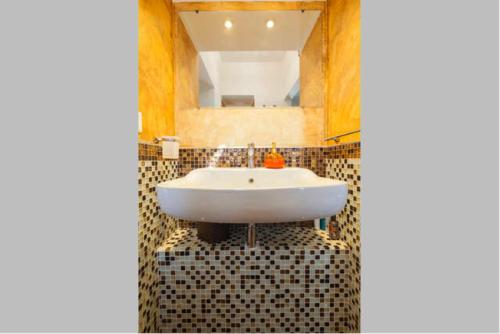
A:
[251,195]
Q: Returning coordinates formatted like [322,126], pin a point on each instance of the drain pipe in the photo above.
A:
[251,235]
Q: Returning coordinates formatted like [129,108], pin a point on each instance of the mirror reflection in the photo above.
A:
[249,58]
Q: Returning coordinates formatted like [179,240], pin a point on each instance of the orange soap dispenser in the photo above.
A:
[274,159]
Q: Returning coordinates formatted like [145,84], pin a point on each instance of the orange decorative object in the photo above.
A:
[274,159]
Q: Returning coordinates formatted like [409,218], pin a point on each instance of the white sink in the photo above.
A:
[251,195]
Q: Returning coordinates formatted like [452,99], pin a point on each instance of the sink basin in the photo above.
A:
[251,195]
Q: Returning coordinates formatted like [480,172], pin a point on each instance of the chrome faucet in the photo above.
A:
[251,155]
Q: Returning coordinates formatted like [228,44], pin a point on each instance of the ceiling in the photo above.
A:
[249,32]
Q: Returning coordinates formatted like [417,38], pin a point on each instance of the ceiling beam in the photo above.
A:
[249,6]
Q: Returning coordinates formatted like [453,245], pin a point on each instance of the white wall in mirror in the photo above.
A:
[268,76]
[209,77]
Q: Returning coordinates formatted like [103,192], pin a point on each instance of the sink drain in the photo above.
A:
[250,180]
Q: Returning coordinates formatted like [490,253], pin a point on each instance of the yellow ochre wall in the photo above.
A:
[287,126]
[343,69]
[156,90]
[312,68]
[186,69]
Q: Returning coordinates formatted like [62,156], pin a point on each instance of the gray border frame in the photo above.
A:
[68,224]
[429,213]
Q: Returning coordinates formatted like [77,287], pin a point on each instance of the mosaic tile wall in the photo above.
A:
[149,151]
[312,158]
[348,222]
[154,228]
[297,280]
[340,161]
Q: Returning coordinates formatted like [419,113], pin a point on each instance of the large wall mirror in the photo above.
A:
[253,58]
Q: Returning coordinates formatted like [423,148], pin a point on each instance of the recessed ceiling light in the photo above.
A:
[228,24]
[269,24]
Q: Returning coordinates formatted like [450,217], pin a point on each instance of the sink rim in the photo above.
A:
[317,181]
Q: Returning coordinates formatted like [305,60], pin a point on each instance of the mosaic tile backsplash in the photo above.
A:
[295,281]
[154,228]
[312,158]
[147,151]
[348,222]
